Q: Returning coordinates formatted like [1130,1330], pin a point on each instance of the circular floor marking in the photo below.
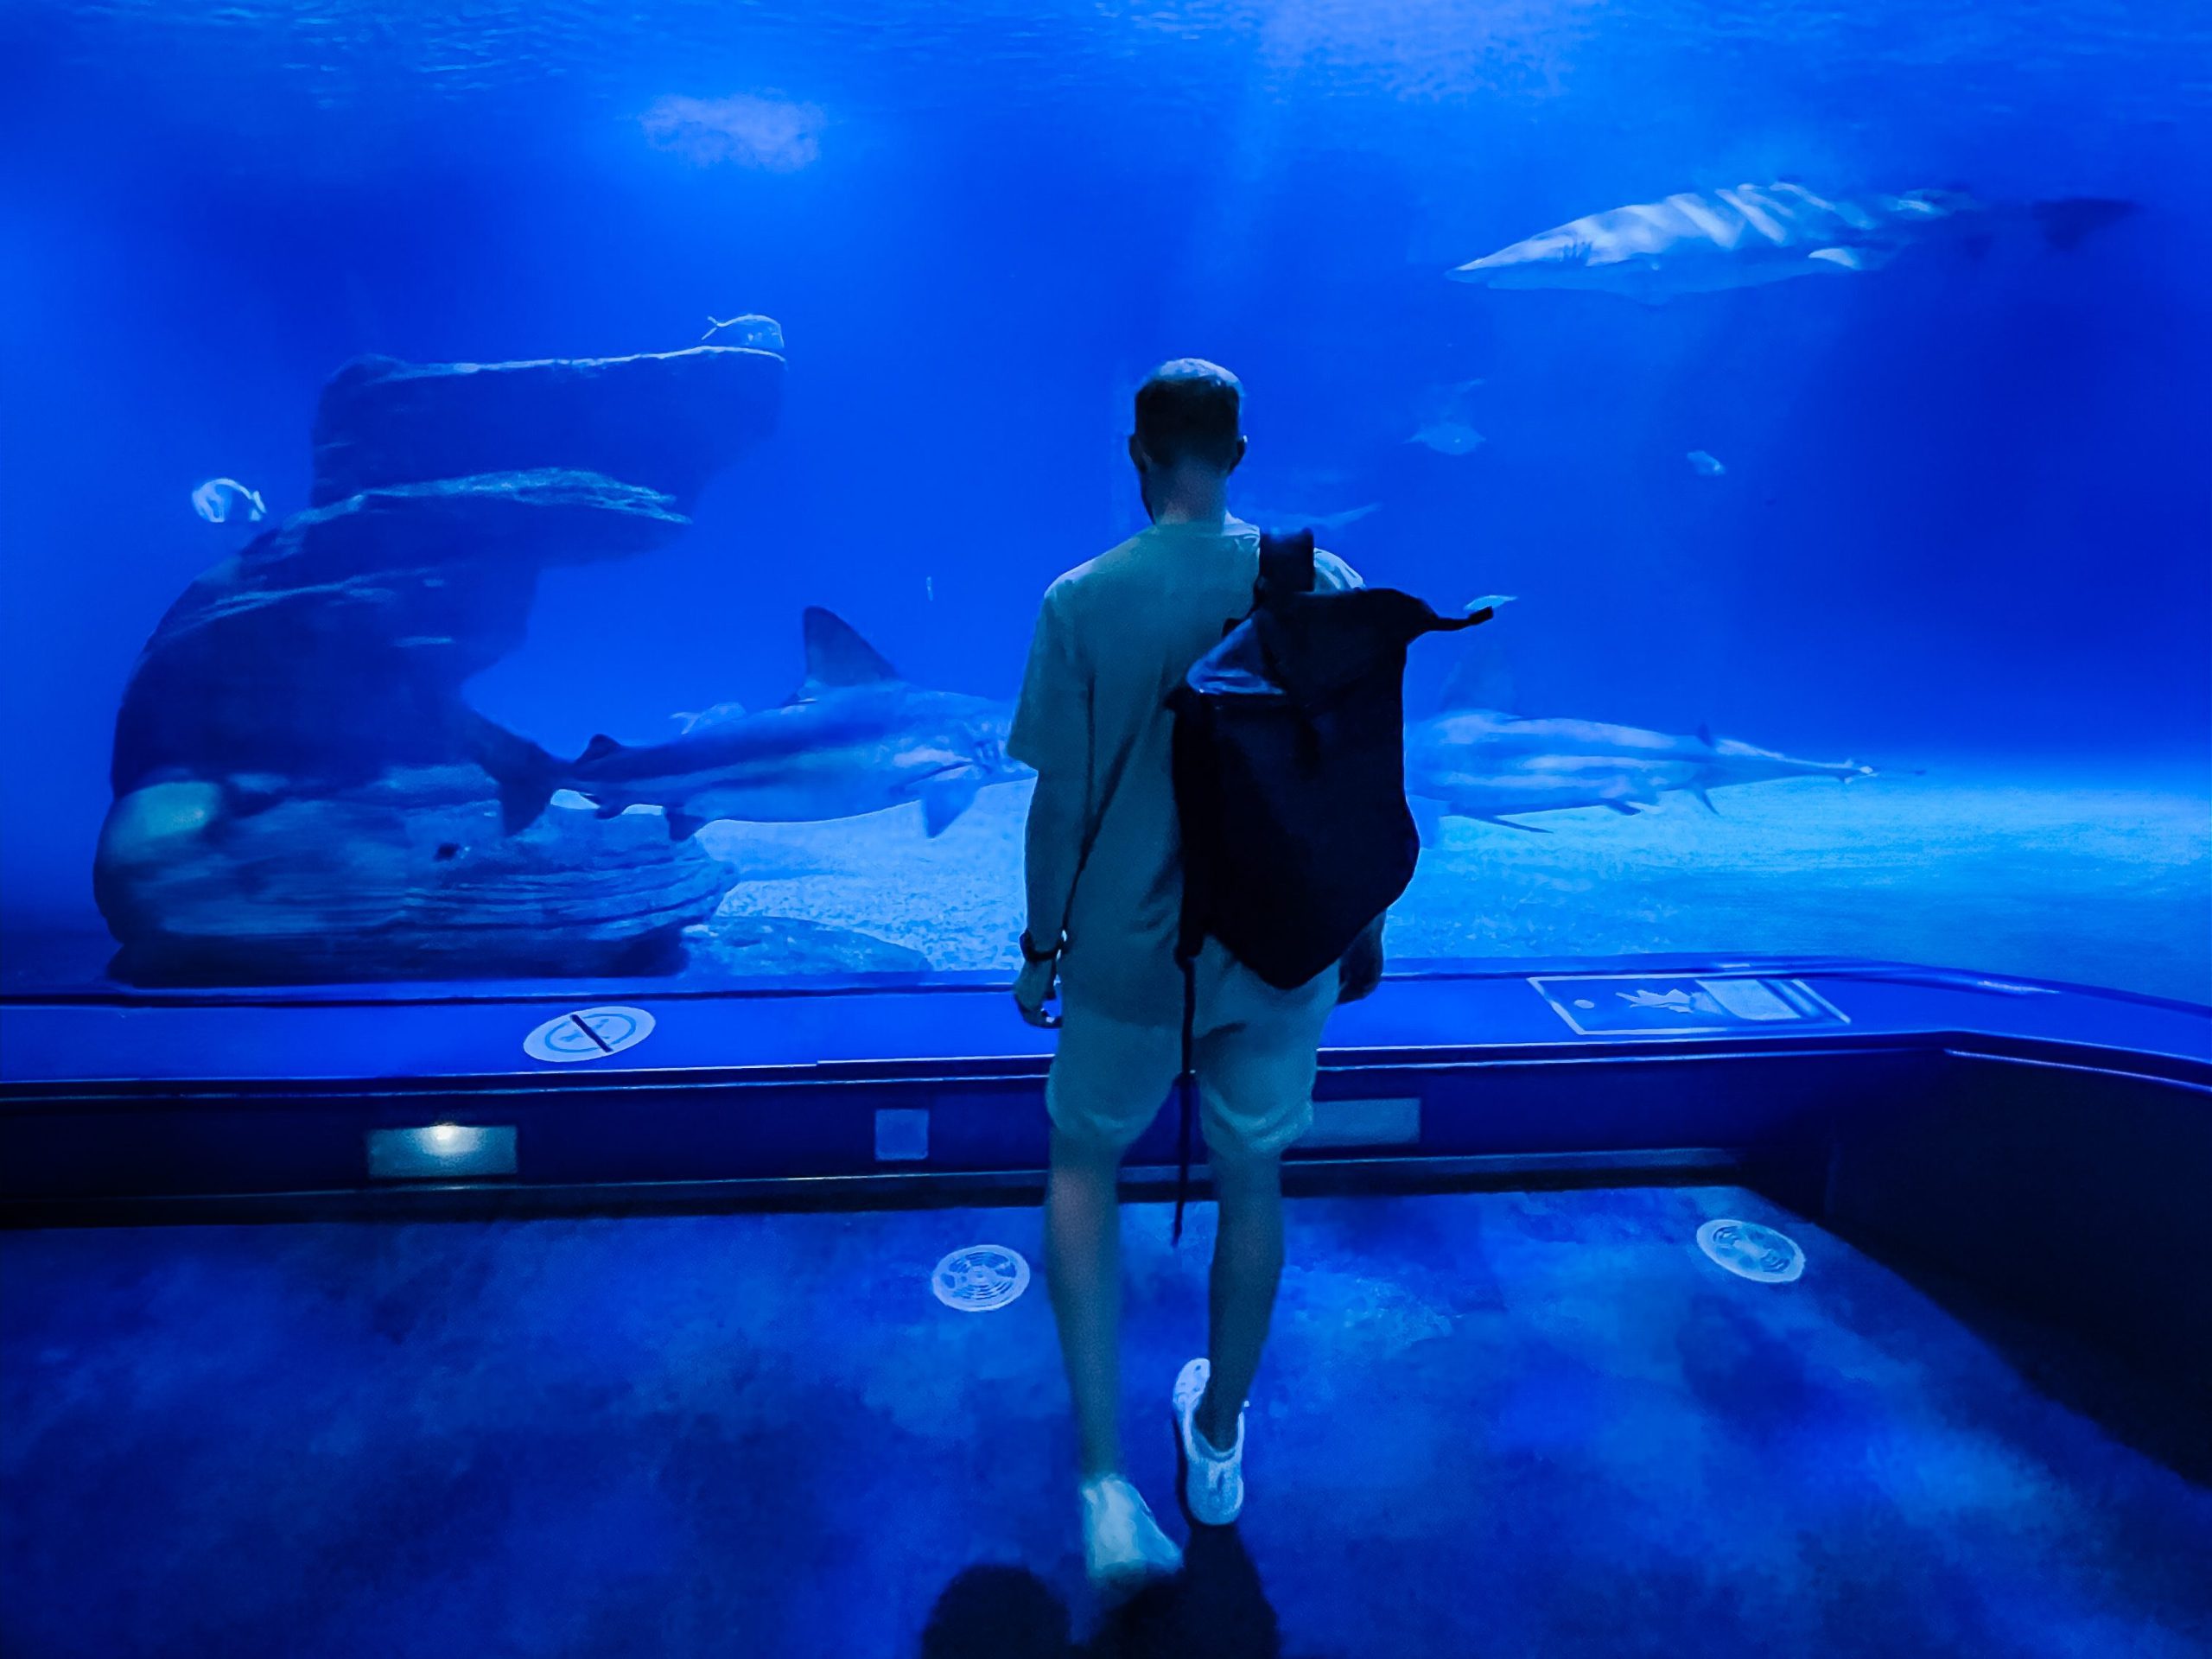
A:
[589,1034]
[1751,1251]
[981,1279]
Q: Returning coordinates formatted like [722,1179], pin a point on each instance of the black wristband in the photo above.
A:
[1031,953]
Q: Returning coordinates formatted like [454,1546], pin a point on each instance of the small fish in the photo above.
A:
[1704,465]
[754,332]
[1449,438]
[688,720]
[220,499]
[929,585]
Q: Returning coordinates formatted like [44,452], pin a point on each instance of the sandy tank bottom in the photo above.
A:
[2100,880]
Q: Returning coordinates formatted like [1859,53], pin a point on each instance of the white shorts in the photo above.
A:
[1255,1047]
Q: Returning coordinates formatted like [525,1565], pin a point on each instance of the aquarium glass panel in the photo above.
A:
[553,493]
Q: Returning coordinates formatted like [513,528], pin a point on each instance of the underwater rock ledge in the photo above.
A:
[409,876]
[302,791]
[668,421]
[337,643]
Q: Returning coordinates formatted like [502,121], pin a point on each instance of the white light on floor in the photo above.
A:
[442,1152]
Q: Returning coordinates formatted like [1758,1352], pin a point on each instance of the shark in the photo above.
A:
[1751,234]
[1485,764]
[855,738]
[1282,517]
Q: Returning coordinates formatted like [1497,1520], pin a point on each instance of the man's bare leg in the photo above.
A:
[1083,1265]
[1247,1267]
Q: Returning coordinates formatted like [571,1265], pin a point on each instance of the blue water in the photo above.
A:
[1961,534]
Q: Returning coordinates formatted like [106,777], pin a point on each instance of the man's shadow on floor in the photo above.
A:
[1214,1609]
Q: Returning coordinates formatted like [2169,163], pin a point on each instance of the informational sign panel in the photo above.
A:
[1647,1005]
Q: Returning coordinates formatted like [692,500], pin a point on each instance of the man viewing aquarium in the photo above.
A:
[1104,881]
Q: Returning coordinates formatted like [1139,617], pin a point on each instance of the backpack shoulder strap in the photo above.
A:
[1287,563]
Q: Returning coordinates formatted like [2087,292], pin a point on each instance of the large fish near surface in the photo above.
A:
[1480,763]
[855,738]
[1699,242]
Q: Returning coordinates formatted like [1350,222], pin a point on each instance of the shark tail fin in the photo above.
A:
[525,774]
[2067,221]
[1482,679]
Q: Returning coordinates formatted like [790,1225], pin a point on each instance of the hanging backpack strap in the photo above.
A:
[1187,1088]
[1285,564]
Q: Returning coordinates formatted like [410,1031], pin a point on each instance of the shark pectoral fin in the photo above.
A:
[682,826]
[1705,734]
[1698,791]
[1428,820]
[1852,258]
[945,798]
[1621,807]
[1508,823]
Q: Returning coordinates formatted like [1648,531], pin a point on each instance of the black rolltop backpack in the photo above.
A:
[1289,769]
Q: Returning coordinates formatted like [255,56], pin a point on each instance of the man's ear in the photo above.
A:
[1242,442]
[1138,459]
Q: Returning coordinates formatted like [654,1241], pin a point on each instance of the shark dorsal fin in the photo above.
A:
[598,749]
[836,655]
[1480,679]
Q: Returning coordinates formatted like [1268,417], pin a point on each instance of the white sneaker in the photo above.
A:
[1122,1545]
[1213,1485]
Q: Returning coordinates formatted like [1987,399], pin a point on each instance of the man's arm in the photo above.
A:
[1052,731]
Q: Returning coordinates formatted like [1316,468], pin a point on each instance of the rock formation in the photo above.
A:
[302,792]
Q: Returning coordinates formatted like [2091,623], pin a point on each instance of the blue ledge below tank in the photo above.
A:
[2001,1131]
[607,1095]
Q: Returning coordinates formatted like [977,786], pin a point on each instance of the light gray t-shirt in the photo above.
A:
[1104,857]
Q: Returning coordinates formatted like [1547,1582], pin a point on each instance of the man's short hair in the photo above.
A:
[1190,409]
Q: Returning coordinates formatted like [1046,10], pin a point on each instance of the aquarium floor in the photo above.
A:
[1515,1423]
